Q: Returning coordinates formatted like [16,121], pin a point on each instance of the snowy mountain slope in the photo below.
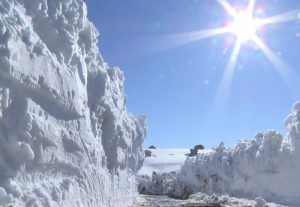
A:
[66,138]
[163,160]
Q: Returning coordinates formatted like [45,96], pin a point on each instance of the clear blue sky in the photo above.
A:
[176,87]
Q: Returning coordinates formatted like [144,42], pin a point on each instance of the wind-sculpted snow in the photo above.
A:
[267,166]
[66,138]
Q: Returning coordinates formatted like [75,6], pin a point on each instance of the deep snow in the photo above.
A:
[66,138]
[267,166]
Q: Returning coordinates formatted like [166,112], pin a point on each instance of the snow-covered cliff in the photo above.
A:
[66,138]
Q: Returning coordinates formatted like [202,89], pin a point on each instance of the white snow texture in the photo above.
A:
[267,167]
[66,138]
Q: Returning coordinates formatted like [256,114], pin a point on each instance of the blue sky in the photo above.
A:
[176,87]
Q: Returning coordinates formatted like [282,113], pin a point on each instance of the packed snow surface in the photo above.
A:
[267,166]
[66,138]
[163,160]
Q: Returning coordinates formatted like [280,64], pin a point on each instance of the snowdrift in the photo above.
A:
[66,138]
[266,167]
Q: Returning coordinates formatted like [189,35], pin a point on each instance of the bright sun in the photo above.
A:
[245,26]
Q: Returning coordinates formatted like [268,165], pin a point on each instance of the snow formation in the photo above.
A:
[66,138]
[266,167]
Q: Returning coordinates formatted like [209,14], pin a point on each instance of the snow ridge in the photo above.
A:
[66,138]
[266,167]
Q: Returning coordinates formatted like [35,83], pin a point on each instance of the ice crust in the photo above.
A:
[267,166]
[66,138]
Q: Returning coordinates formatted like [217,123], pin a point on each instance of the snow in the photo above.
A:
[163,160]
[66,138]
[202,199]
[229,201]
[267,167]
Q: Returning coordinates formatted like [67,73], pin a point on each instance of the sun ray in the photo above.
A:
[198,35]
[251,6]
[228,74]
[228,7]
[166,42]
[283,69]
[288,16]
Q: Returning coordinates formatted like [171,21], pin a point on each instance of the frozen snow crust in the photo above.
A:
[267,166]
[66,138]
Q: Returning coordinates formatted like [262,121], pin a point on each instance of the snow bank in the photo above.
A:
[267,166]
[163,184]
[225,200]
[66,138]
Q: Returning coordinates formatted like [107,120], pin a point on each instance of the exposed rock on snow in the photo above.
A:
[266,167]
[66,138]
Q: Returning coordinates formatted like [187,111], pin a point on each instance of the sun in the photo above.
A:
[245,26]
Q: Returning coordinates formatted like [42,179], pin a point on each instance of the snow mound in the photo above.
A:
[66,138]
[267,166]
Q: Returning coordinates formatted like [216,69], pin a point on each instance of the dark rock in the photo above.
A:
[199,147]
[152,147]
[193,152]
[148,153]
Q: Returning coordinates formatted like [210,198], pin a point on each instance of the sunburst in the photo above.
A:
[245,26]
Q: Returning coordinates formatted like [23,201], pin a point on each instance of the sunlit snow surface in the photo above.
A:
[165,160]
[267,166]
[66,138]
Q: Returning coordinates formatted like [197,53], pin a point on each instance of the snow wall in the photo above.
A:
[66,138]
[268,166]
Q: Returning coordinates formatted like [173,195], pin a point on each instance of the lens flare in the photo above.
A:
[245,26]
